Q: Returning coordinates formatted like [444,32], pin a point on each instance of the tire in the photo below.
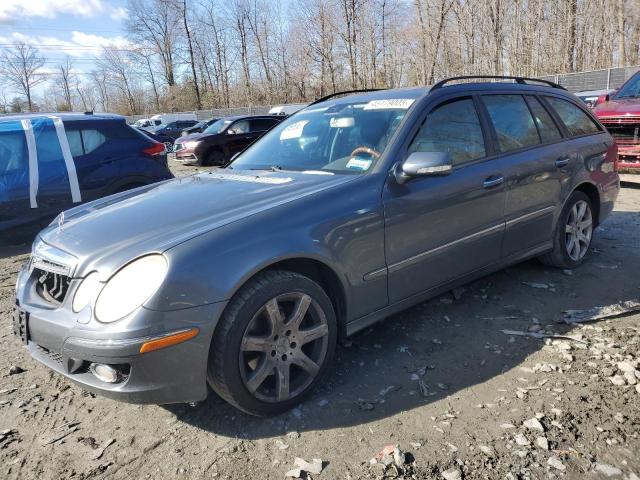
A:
[249,357]
[215,158]
[565,254]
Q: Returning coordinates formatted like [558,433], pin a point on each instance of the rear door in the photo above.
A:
[439,228]
[530,142]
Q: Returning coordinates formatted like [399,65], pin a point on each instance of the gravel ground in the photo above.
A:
[459,397]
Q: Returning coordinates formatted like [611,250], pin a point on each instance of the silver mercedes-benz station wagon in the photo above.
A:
[243,279]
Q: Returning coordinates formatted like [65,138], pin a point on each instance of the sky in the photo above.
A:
[78,28]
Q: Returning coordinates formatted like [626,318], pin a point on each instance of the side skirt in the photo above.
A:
[374,317]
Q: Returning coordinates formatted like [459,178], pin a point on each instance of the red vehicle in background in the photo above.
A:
[621,115]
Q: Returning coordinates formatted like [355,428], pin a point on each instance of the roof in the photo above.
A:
[63,115]
[417,92]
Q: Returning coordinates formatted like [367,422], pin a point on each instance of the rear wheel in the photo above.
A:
[273,344]
[573,234]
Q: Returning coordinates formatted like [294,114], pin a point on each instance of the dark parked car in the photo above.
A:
[243,279]
[48,163]
[198,127]
[173,129]
[221,140]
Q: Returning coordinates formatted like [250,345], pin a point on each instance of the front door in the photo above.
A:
[438,228]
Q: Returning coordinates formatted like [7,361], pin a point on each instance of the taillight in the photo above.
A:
[155,149]
[612,151]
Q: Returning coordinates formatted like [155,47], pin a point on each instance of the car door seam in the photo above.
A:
[422,255]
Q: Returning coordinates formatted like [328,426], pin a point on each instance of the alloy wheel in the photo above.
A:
[578,230]
[283,347]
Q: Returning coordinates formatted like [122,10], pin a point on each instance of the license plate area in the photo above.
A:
[21,324]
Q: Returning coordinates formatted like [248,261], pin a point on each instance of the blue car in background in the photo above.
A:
[51,162]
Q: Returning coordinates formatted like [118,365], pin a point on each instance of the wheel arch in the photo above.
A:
[591,191]
[318,271]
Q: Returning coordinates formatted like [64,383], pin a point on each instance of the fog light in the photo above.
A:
[104,373]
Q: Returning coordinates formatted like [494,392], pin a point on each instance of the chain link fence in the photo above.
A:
[213,113]
[607,78]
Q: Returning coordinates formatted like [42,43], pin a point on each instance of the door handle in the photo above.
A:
[562,161]
[493,182]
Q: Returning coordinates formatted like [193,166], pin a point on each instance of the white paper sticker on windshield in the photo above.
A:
[293,131]
[390,103]
[359,164]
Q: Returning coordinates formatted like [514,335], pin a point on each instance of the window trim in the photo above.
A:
[554,114]
[488,148]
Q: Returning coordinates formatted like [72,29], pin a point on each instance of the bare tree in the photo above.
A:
[65,80]
[20,65]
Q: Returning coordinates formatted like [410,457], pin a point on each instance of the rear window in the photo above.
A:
[512,121]
[573,117]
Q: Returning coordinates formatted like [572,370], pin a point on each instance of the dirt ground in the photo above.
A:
[441,381]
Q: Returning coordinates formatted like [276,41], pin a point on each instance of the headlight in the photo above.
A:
[191,144]
[130,287]
[86,292]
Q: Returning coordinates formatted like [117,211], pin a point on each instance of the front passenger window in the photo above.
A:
[452,127]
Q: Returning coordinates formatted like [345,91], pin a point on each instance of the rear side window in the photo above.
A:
[546,126]
[576,120]
[452,127]
[512,121]
[13,152]
[84,141]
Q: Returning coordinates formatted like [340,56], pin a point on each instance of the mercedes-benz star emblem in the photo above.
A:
[60,221]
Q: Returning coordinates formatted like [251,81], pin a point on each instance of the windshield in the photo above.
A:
[631,89]
[343,138]
[217,127]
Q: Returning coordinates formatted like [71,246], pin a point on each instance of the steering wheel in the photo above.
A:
[367,150]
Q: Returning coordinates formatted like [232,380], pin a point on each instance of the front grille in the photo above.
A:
[625,133]
[51,286]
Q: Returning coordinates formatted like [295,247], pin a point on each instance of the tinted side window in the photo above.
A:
[262,124]
[92,139]
[75,142]
[512,121]
[13,152]
[452,127]
[546,126]
[576,121]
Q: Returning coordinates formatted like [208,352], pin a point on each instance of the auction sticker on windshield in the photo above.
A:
[390,103]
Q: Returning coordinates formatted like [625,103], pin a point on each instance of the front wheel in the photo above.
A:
[273,343]
[573,234]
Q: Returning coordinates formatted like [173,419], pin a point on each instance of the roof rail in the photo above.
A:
[346,92]
[520,80]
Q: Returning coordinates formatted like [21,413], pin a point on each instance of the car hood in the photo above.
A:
[106,233]
[625,106]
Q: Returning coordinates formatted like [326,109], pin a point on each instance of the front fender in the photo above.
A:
[342,228]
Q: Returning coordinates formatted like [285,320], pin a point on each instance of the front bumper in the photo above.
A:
[184,157]
[175,374]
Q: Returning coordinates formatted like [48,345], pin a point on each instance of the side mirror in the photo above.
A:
[421,164]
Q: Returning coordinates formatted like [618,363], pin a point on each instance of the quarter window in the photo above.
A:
[452,127]
[512,121]
[576,120]
[546,127]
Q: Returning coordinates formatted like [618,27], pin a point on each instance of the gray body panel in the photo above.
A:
[389,245]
